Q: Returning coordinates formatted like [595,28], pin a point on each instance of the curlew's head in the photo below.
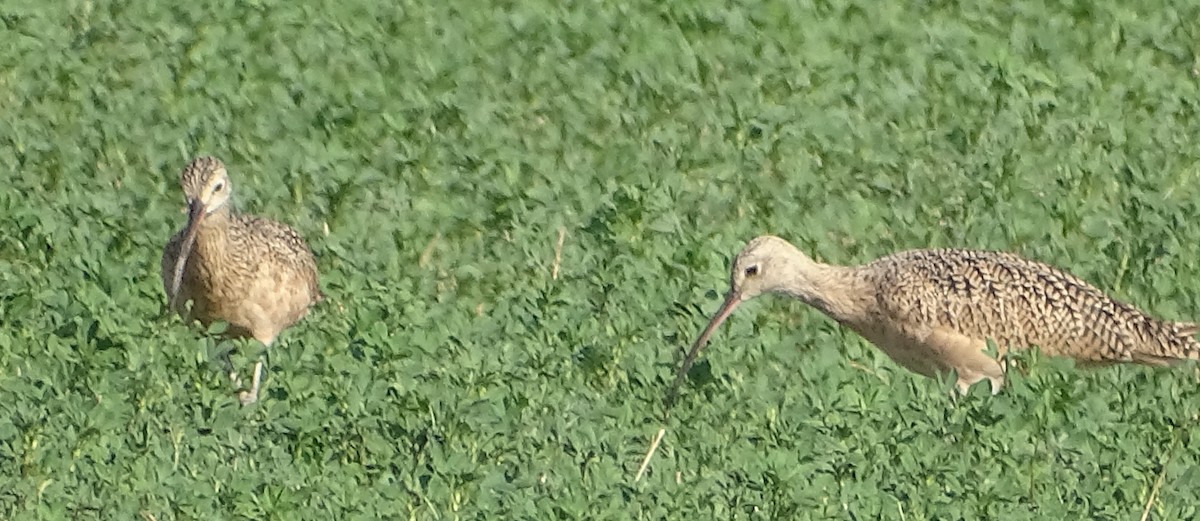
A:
[205,185]
[768,264]
[207,189]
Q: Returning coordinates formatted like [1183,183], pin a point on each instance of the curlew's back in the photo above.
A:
[1021,303]
[277,244]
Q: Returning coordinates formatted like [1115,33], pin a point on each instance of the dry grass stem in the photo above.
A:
[650,454]
[562,236]
[425,255]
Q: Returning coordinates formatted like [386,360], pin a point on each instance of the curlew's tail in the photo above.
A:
[1176,344]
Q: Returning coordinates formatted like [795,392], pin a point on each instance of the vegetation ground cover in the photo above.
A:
[433,152]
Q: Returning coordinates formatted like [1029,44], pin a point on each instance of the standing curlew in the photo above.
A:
[933,311]
[254,273]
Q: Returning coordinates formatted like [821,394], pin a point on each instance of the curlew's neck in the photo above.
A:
[213,235]
[838,291]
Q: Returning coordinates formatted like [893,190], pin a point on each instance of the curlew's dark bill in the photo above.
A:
[731,302]
[196,214]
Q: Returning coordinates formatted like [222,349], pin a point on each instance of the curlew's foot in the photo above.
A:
[963,386]
[250,396]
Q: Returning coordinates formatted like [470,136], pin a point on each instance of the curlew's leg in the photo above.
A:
[250,396]
[233,374]
[963,385]
[997,384]
[968,358]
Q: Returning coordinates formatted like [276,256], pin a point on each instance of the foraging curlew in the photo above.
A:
[254,273]
[933,311]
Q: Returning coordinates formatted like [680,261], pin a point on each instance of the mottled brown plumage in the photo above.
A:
[254,273]
[933,311]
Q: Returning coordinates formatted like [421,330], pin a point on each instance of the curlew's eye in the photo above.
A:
[752,270]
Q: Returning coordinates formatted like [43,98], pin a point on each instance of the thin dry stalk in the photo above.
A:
[562,236]
[650,454]
[1159,481]
[425,255]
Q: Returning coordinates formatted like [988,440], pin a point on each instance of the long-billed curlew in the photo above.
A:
[933,311]
[254,273]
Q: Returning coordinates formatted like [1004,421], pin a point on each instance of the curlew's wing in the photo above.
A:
[281,245]
[1020,303]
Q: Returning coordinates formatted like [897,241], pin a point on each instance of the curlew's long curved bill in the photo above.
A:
[195,215]
[732,300]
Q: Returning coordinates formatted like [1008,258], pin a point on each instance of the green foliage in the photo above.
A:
[432,151]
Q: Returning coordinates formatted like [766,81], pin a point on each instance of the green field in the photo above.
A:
[433,152]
